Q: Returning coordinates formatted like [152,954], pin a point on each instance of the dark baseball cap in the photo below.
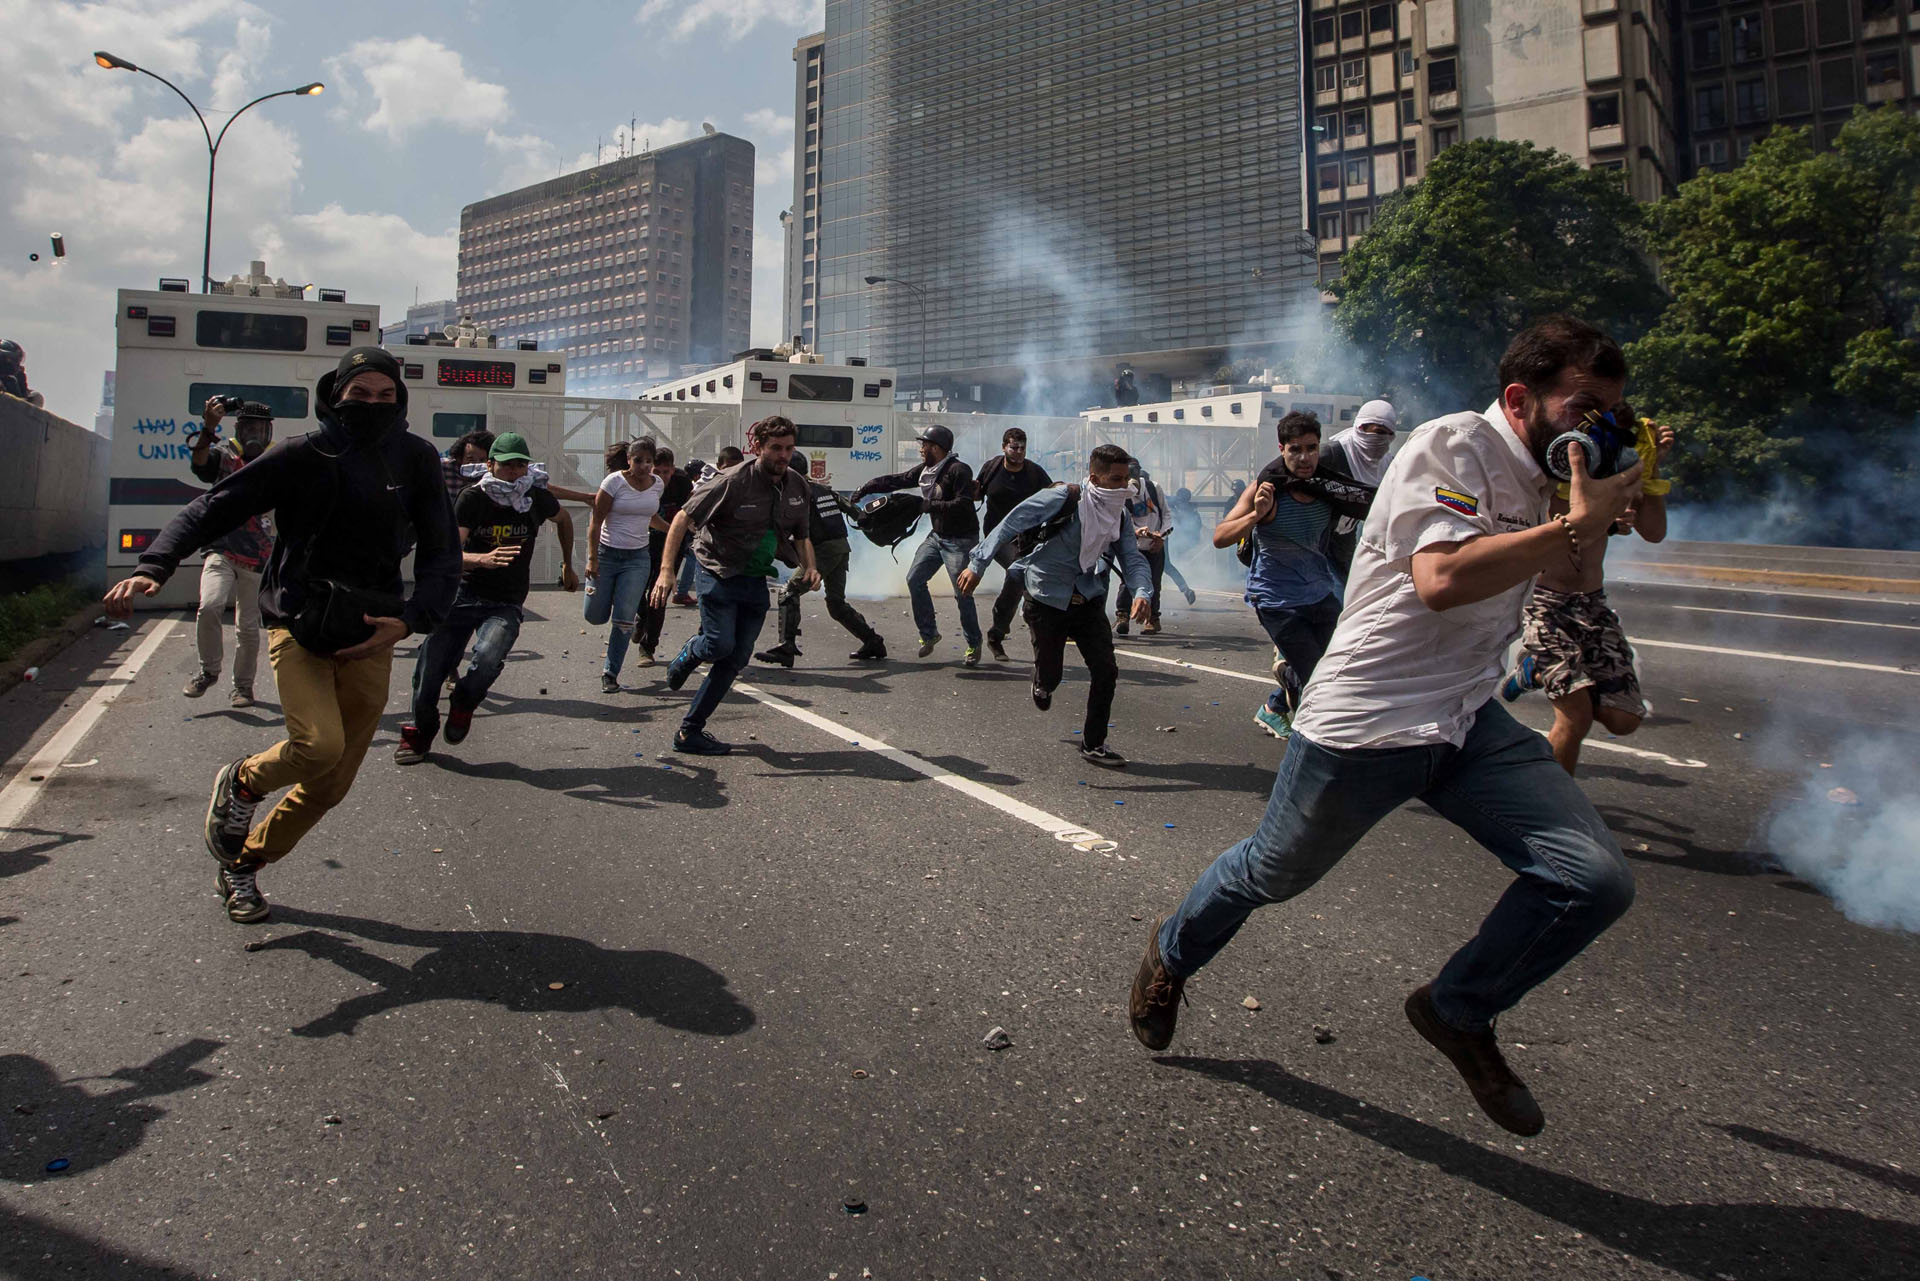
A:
[937,435]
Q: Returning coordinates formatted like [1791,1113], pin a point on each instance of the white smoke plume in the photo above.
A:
[1853,831]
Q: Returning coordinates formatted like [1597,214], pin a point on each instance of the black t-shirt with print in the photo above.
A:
[490,525]
[1005,490]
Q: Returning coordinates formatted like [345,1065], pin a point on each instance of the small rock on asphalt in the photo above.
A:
[1843,796]
[1251,1002]
[997,1039]
[1322,1035]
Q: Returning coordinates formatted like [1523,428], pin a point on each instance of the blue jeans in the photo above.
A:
[688,565]
[731,613]
[1502,787]
[492,627]
[1301,636]
[616,594]
[933,552]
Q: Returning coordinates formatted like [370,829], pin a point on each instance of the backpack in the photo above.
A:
[887,519]
[1028,540]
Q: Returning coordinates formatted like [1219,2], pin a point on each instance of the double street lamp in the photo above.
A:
[112,63]
[920,297]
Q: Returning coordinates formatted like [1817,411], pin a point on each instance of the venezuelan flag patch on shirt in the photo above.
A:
[1465,504]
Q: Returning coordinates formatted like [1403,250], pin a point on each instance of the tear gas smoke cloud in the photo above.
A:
[1860,843]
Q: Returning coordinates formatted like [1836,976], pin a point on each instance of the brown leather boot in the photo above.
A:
[1154,1005]
[1476,1055]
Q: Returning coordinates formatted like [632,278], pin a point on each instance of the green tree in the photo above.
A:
[1788,356]
[1494,236]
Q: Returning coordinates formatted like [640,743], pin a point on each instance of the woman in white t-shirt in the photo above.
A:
[618,562]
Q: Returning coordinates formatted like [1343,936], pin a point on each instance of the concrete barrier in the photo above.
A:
[1824,568]
[53,484]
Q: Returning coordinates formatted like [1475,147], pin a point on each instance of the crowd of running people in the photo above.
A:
[1391,585]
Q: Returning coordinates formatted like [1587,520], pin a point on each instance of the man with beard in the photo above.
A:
[345,499]
[230,575]
[743,515]
[1403,708]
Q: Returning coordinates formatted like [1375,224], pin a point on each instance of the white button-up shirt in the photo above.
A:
[1398,674]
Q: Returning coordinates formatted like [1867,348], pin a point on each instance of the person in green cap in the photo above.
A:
[499,518]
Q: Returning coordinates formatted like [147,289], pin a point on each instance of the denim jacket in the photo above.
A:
[1053,573]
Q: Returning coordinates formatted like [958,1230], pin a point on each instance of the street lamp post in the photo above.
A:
[920,297]
[112,63]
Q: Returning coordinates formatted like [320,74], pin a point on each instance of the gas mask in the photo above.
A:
[252,436]
[1606,436]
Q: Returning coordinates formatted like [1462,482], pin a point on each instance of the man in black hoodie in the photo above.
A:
[946,491]
[346,500]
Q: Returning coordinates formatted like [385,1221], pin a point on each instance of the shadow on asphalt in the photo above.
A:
[630,786]
[55,1120]
[32,855]
[1255,780]
[1714,1242]
[853,762]
[1888,1176]
[1626,774]
[514,968]
[36,1248]
[1630,826]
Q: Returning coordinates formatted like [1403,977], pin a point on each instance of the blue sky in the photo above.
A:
[428,107]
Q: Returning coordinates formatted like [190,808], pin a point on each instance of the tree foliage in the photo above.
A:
[1788,355]
[1494,236]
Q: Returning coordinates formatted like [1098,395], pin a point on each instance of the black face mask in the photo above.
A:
[367,420]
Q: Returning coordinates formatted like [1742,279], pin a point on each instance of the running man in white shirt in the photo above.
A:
[1402,707]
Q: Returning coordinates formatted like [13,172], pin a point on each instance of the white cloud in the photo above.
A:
[681,18]
[375,257]
[418,81]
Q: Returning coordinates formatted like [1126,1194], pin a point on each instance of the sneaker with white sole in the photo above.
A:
[230,815]
[1278,724]
[1103,756]
[239,890]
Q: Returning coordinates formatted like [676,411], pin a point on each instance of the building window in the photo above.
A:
[1353,73]
[1409,162]
[1706,46]
[1380,17]
[1350,25]
[1444,136]
[1710,153]
[1407,61]
[1329,226]
[1748,43]
[1358,220]
[1357,172]
[1883,68]
[1836,84]
[1876,10]
[1323,29]
[1329,177]
[1408,116]
[1356,124]
[1710,107]
[1833,21]
[1789,28]
[1791,85]
[1603,112]
[1327,125]
[1750,101]
[1440,77]
[1326,78]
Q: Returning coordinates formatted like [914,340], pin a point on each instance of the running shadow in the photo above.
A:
[1199,776]
[1898,1180]
[31,1246]
[1631,825]
[1714,1242]
[1627,774]
[58,1120]
[28,857]
[514,968]
[854,762]
[643,785]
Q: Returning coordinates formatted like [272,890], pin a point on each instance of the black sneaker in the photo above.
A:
[780,655]
[996,647]
[1102,755]
[230,815]
[1120,625]
[413,746]
[609,684]
[681,667]
[875,648]
[203,680]
[237,888]
[1153,1006]
[1042,698]
[459,722]
[1476,1056]
[700,743]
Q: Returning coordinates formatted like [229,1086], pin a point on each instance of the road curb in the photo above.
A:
[1779,578]
[41,648]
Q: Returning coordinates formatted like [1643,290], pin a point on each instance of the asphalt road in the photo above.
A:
[778,969]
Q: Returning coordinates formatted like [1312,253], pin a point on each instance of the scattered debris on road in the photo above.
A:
[997,1039]
[1843,796]
[1251,1002]
[1322,1034]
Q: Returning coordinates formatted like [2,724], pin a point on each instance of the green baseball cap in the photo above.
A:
[510,447]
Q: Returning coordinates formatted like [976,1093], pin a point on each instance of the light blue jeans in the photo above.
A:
[1502,787]
[616,595]
[933,552]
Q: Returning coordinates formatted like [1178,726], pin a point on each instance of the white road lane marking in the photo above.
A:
[1798,618]
[1645,754]
[1059,828]
[19,795]
[1777,658]
[1761,589]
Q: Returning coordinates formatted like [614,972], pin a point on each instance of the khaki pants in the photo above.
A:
[332,708]
[223,583]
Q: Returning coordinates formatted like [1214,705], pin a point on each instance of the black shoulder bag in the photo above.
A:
[333,615]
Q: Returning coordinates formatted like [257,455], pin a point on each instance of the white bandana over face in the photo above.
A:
[517,494]
[1101,511]
[1366,453]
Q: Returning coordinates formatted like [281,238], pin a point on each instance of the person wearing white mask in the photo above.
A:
[1067,536]
[1364,447]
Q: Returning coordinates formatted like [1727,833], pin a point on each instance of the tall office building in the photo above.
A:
[634,268]
[423,318]
[1395,84]
[1750,67]
[802,221]
[1057,188]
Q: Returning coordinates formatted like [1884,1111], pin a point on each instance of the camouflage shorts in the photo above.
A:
[1577,643]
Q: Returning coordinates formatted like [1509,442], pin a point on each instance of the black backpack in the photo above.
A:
[1027,540]
[887,519]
